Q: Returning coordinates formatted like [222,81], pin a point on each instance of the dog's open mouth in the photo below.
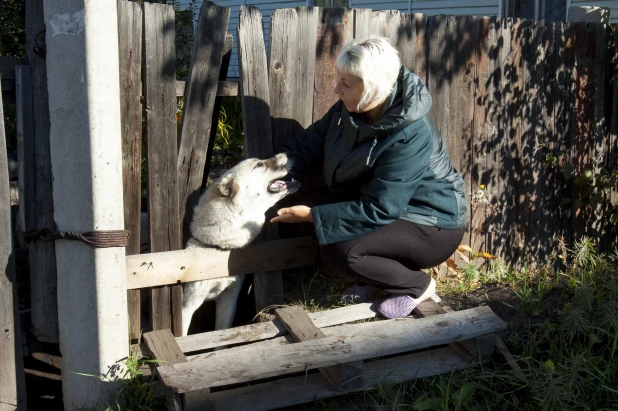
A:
[277,186]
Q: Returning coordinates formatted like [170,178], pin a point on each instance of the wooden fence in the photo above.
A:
[508,94]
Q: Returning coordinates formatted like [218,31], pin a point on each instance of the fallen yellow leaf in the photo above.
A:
[464,247]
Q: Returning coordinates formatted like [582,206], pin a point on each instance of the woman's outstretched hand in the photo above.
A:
[296,214]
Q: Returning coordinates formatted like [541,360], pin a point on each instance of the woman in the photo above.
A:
[378,145]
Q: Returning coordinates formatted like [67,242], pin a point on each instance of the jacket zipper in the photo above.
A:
[375,141]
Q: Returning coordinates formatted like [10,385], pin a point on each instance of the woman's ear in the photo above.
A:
[227,186]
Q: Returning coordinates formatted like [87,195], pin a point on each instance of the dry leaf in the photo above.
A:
[463,248]
[486,255]
[450,263]
[463,256]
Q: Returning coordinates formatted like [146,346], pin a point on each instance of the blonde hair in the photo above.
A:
[376,62]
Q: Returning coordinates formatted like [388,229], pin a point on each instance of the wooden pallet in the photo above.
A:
[349,357]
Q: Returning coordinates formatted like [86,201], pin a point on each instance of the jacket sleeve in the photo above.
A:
[307,150]
[397,173]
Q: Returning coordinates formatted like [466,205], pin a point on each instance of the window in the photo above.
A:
[549,10]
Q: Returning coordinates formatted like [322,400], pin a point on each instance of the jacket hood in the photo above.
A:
[409,101]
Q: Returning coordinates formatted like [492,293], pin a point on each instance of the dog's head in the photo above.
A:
[258,182]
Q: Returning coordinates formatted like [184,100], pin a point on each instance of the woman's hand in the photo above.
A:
[296,214]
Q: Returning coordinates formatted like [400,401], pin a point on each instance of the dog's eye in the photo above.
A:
[260,164]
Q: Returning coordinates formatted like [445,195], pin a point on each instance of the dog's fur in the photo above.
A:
[230,214]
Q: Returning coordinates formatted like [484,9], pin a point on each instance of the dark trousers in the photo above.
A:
[391,258]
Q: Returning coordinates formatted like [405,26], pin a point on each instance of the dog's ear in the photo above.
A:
[227,186]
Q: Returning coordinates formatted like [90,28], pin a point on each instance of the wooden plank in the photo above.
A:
[430,308]
[254,84]
[612,149]
[386,23]
[160,97]
[224,88]
[268,286]
[297,390]
[271,329]
[130,58]
[12,383]
[291,72]
[335,28]
[195,264]
[372,339]
[7,77]
[510,360]
[164,347]
[25,152]
[300,326]
[421,52]
[42,255]
[199,101]
[362,23]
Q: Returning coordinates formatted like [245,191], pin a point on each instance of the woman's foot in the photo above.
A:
[398,306]
[356,294]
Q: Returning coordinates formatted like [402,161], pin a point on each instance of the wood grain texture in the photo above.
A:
[25,153]
[301,328]
[199,103]
[375,340]
[164,348]
[160,101]
[302,389]
[42,255]
[12,383]
[130,25]
[175,267]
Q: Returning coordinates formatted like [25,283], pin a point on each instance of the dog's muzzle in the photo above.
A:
[278,186]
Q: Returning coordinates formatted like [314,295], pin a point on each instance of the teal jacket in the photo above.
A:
[398,166]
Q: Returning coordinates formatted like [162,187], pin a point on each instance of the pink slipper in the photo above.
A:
[399,306]
[356,294]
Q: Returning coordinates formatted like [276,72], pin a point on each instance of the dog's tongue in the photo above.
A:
[280,185]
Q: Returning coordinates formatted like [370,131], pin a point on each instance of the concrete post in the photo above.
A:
[84,104]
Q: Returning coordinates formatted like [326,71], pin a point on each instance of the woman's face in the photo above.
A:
[350,89]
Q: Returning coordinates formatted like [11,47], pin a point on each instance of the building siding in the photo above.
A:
[612,5]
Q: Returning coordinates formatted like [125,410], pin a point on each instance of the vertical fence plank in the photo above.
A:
[199,101]
[610,233]
[25,151]
[257,128]
[600,145]
[386,23]
[439,77]
[291,72]
[254,84]
[130,57]
[563,124]
[483,173]
[160,100]
[42,254]
[12,383]
[362,23]
[335,28]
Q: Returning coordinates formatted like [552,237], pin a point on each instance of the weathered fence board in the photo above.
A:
[335,28]
[12,383]
[25,152]
[257,128]
[130,56]
[200,94]
[41,254]
[160,100]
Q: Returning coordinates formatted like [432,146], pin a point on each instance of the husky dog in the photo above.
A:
[230,214]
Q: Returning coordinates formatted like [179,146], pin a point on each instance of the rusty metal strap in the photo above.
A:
[97,239]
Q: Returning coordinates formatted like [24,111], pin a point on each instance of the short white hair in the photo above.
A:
[376,62]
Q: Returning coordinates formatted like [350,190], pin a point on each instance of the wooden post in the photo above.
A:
[12,383]
[42,255]
[86,153]
[130,57]
[257,127]
[160,99]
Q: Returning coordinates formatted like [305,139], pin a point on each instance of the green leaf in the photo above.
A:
[595,199]
[428,404]
[567,171]
[464,394]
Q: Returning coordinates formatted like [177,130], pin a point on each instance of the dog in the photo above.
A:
[230,214]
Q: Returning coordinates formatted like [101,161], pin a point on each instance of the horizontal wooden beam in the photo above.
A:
[224,88]
[195,264]
[371,340]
